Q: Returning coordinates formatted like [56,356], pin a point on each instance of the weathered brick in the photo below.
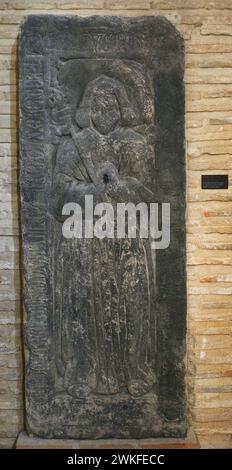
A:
[178,4]
[127,4]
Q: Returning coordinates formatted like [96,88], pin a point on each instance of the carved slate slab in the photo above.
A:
[102,99]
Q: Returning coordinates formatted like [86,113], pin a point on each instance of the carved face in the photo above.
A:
[105,112]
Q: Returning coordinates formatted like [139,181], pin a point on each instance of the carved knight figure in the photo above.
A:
[103,303]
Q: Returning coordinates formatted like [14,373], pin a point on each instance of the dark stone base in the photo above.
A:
[26,442]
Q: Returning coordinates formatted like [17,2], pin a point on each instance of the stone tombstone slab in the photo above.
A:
[102,114]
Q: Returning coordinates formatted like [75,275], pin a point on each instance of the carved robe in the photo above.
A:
[103,289]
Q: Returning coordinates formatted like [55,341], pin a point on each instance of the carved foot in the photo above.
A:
[143,383]
[78,390]
[138,387]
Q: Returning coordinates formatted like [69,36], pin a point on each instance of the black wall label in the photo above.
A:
[214,182]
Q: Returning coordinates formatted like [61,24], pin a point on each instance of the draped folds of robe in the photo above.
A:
[104,289]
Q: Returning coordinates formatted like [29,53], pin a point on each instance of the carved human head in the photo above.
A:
[104,105]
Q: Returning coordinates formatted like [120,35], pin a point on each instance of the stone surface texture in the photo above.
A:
[102,115]
[206,26]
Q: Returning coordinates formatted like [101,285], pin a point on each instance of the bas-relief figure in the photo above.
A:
[104,357]
[104,288]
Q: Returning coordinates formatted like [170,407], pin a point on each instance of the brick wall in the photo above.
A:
[207,28]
